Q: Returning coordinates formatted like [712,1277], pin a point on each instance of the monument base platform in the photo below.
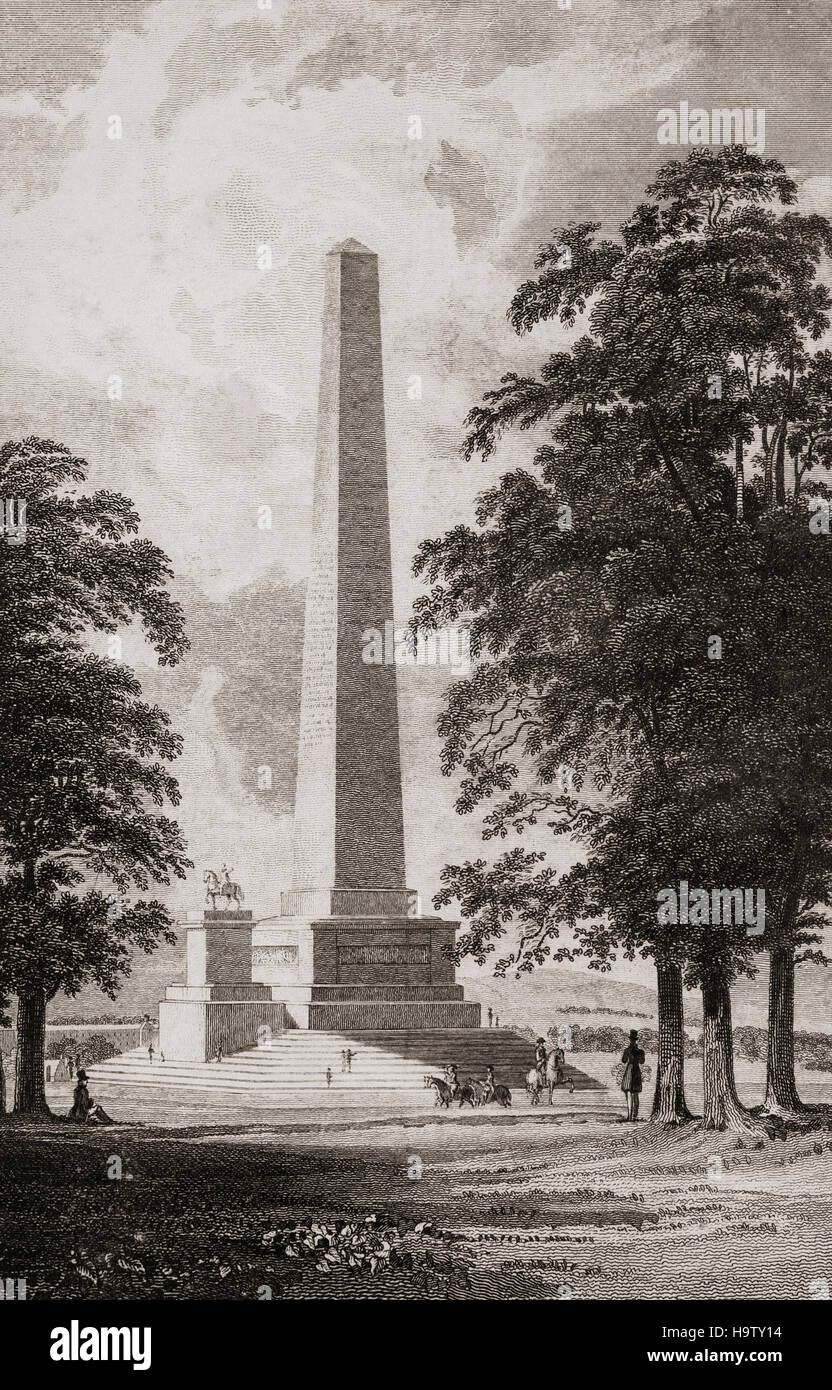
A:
[375,966]
[380,970]
[198,1021]
[382,1068]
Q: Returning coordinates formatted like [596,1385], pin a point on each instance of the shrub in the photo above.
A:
[91,1047]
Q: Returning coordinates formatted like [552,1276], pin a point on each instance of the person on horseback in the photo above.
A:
[490,1083]
[540,1057]
[452,1079]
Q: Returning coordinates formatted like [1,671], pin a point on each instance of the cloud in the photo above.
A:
[46,49]
[461,183]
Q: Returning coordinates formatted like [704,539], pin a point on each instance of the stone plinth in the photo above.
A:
[349,973]
[219,1006]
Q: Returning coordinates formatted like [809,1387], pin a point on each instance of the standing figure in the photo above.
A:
[633,1059]
[328,1077]
[150,1052]
[490,1016]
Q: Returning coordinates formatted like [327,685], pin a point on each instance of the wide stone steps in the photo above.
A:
[298,1061]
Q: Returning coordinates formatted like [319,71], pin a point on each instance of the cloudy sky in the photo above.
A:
[448,135]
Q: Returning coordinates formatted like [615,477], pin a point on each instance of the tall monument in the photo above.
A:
[348,949]
[348,804]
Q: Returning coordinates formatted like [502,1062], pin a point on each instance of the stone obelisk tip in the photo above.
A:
[351,247]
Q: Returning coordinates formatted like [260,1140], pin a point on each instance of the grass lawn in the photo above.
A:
[522,1204]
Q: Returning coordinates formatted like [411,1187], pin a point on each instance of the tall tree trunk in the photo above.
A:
[768,476]
[2,1087]
[669,1106]
[780,468]
[29,1090]
[30,1095]
[723,1108]
[781,1088]
[740,476]
[780,458]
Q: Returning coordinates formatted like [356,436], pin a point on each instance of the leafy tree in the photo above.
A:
[83,773]
[593,585]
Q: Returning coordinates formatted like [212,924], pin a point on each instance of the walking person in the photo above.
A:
[490,1017]
[328,1077]
[633,1059]
[343,1061]
[150,1052]
[349,1054]
[218,1057]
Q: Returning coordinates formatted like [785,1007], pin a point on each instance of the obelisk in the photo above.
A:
[349,949]
[349,829]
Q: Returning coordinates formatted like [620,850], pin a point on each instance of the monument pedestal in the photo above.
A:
[370,963]
[219,1007]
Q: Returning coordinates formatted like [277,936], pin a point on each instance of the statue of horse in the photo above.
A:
[223,888]
[212,888]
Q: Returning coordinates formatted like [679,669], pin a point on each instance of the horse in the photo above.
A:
[443,1091]
[466,1092]
[215,888]
[554,1072]
[534,1085]
[479,1089]
[212,888]
[502,1095]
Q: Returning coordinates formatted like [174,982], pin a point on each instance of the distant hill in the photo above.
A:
[552,995]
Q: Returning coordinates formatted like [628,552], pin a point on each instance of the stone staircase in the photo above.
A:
[296,1062]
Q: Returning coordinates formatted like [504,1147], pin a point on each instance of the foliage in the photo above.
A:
[654,517]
